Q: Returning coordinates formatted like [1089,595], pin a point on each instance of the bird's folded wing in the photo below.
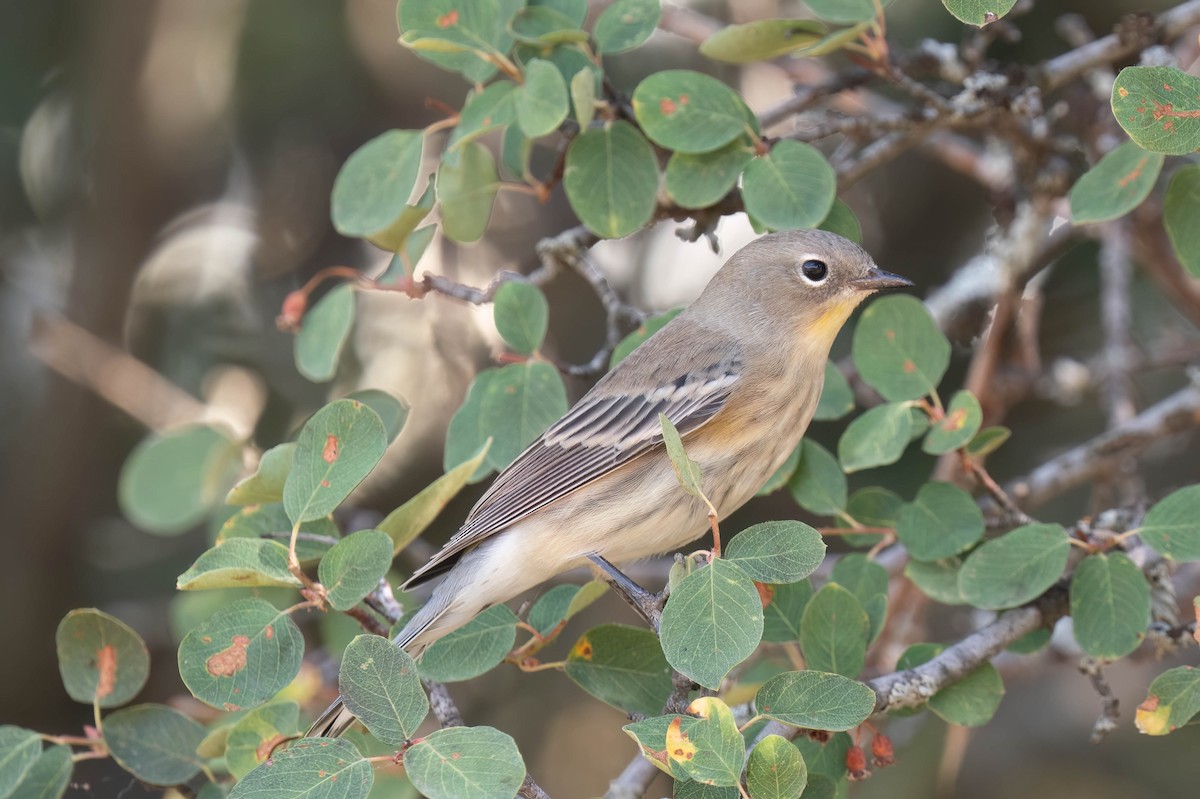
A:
[607,429]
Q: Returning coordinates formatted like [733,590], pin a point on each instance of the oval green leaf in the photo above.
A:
[1116,185]
[465,763]
[374,185]
[713,621]
[19,751]
[1181,209]
[842,221]
[712,750]
[775,770]
[336,450]
[698,180]
[155,743]
[1159,107]
[899,349]
[472,649]
[625,24]
[456,34]
[955,430]
[690,112]
[243,655]
[611,179]
[777,552]
[542,101]
[978,12]
[466,191]
[761,40]
[263,521]
[937,579]
[818,484]
[621,666]
[239,563]
[834,631]
[47,778]
[815,700]
[793,186]
[1110,605]
[1015,568]
[354,567]
[318,346]
[876,438]
[521,315]
[493,107]
[1172,701]
[1172,526]
[313,768]
[100,658]
[943,520]
[380,686]
[266,484]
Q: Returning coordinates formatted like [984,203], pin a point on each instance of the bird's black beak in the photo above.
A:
[876,279]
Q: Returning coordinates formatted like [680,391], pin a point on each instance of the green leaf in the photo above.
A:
[170,482]
[842,221]
[784,611]
[819,485]
[868,581]
[374,185]
[1172,526]
[337,448]
[515,150]
[713,750]
[239,563]
[583,97]
[625,24]
[243,655]
[542,25]
[256,736]
[379,684]
[1159,107]
[689,789]
[713,621]
[776,770]
[1110,605]
[392,410]
[961,422]
[100,658]
[260,521]
[761,40]
[621,666]
[850,10]
[837,398]
[975,12]
[542,101]
[493,107]
[815,700]
[408,521]
[791,187]
[969,702]
[472,649]
[635,339]
[650,736]
[266,484]
[698,180]
[319,343]
[1181,207]
[834,631]
[520,402]
[689,111]
[937,579]
[777,552]
[574,10]
[19,751]
[47,778]
[611,179]
[878,437]
[155,743]
[872,506]
[466,191]
[687,471]
[1172,701]
[465,763]
[562,602]
[401,237]
[355,566]
[987,441]
[312,768]
[942,521]
[521,315]
[455,34]
[782,475]
[1015,568]
[1116,185]
[898,348]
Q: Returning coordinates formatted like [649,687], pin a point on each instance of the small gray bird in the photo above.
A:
[739,374]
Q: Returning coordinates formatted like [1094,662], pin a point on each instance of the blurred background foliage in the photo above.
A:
[165,169]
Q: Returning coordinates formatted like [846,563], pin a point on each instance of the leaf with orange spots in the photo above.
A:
[1159,107]
[625,24]
[100,658]
[898,348]
[328,768]
[380,686]
[651,737]
[688,111]
[956,429]
[457,34]
[336,450]
[465,763]
[775,770]
[255,735]
[679,747]
[243,655]
[155,743]
[622,666]
[712,750]
[1172,701]
[1116,185]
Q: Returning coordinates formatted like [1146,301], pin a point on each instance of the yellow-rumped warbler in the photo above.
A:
[738,373]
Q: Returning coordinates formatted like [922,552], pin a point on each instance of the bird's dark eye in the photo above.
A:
[814,270]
